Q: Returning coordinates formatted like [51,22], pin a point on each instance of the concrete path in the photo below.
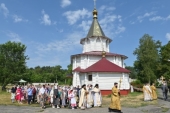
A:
[160,108]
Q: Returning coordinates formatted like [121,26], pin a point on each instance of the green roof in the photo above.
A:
[95,29]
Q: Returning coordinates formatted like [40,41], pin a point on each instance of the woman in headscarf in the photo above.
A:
[52,96]
[97,96]
[64,96]
[56,101]
[71,96]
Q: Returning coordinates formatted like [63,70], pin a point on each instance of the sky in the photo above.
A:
[52,29]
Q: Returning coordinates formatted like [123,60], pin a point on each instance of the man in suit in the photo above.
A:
[165,91]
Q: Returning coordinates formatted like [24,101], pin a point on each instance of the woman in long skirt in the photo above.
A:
[71,95]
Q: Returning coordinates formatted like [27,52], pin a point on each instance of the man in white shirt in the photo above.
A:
[42,93]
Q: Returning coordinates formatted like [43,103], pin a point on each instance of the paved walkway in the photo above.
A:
[160,108]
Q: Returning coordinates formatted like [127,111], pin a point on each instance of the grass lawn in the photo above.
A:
[6,100]
[134,99]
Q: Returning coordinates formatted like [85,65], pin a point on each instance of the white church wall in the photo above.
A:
[85,61]
[106,80]
[93,59]
[95,44]
[115,59]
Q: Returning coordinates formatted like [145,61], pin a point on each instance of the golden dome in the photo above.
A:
[94,13]
[103,54]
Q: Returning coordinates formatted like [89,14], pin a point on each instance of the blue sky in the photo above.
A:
[52,30]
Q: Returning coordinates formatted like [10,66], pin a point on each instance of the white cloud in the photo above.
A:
[105,8]
[19,19]
[168,36]
[85,25]
[120,29]
[64,45]
[156,18]
[132,22]
[4,9]
[112,25]
[74,16]
[14,37]
[65,3]
[45,19]
[108,19]
[56,52]
[140,18]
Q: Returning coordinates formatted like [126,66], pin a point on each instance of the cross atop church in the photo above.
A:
[95,4]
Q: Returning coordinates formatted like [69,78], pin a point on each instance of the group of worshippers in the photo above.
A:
[74,97]
[149,92]
[58,96]
[22,93]
[66,96]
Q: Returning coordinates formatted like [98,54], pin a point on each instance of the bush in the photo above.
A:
[137,83]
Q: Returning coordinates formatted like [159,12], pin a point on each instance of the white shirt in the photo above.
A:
[42,90]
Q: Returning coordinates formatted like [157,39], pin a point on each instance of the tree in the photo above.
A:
[147,59]
[164,67]
[133,73]
[12,62]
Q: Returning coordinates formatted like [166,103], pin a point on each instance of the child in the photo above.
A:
[71,96]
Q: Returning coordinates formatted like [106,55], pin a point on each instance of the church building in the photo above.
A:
[97,65]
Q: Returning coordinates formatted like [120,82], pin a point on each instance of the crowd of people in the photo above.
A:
[58,96]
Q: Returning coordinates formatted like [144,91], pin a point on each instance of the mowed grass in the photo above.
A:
[5,99]
[132,100]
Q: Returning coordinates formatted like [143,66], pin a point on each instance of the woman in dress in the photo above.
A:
[71,96]
[19,94]
[52,96]
[64,96]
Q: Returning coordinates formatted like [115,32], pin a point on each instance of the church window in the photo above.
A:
[90,77]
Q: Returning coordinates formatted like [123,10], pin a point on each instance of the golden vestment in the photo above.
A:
[115,99]
[154,95]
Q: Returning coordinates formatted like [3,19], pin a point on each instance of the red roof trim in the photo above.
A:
[78,69]
[99,53]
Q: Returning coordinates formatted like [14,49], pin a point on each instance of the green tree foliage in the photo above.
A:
[69,72]
[48,74]
[147,59]
[12,62]
[133,73]
[164,67]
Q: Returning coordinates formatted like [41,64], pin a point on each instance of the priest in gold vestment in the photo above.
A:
[115,100]
[154,95]
[83,97]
